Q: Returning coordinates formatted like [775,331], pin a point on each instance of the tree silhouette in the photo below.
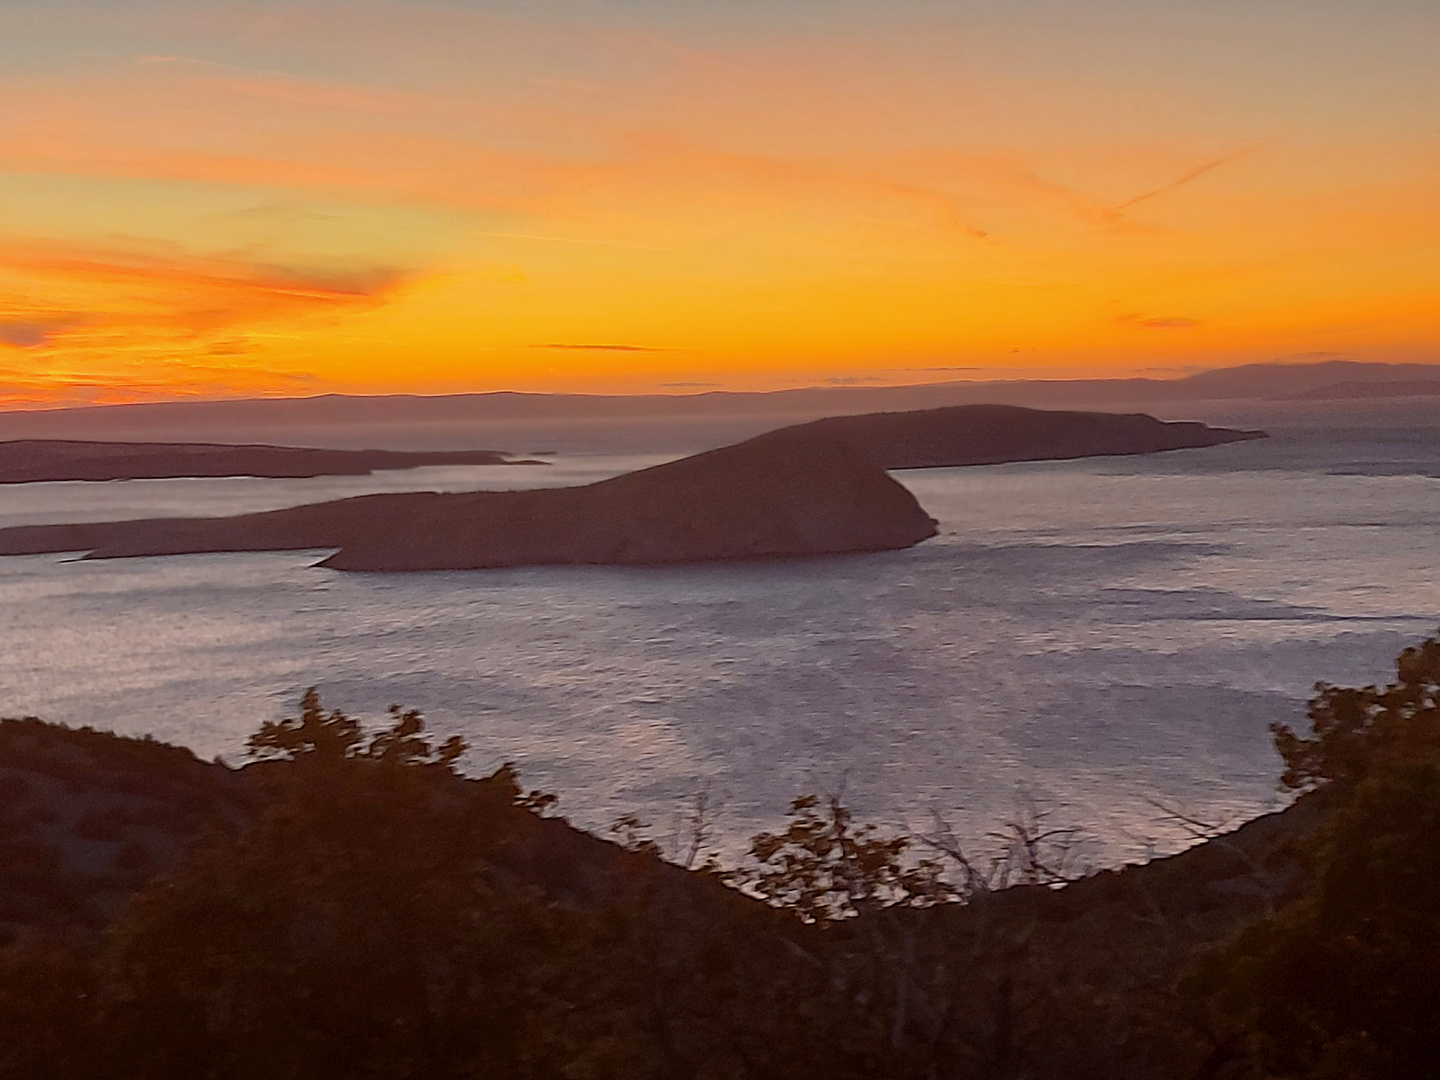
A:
[1342,981]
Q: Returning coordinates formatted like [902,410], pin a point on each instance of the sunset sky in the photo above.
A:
[224,197]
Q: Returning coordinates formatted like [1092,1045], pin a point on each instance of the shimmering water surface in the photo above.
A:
[1092,635]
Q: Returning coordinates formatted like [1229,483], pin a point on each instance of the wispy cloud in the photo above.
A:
[138,319]
[134,264]
[286,87]
[1188,177]
[118,381]
[151,282]
[945,367]
[605,348]
[1158,322]
[27,334]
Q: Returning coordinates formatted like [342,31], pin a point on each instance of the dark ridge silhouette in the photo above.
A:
[994,434]
[25,461]
[753,500]
[1355,391]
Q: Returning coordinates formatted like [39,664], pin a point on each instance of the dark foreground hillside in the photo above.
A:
[349,906]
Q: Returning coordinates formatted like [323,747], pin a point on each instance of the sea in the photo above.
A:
[1102,643]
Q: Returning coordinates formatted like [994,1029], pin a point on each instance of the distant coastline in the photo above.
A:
[1370,391]
[25,461]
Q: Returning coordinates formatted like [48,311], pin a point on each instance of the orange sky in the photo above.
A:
[217,198]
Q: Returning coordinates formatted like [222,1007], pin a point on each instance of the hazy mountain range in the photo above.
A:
[515,421]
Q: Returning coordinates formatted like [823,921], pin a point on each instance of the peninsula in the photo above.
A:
[25,461]
[996,434]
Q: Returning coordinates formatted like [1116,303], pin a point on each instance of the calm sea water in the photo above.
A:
[1090,636]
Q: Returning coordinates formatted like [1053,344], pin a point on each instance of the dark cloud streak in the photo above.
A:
[30,333]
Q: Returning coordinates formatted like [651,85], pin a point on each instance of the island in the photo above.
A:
[997,434]
[752,500]
[814,489]
[26,461]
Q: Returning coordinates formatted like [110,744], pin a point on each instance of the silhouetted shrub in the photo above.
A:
[1342,981]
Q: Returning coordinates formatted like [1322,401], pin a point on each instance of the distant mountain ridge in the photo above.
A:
[458,420]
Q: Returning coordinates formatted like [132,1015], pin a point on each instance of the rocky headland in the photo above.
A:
[25,461]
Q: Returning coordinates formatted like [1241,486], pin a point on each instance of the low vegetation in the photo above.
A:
[348,905]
